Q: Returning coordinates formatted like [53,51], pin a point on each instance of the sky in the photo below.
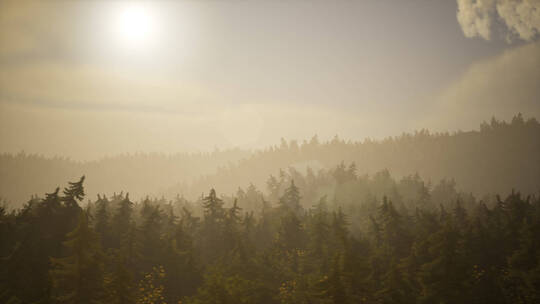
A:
[87,79]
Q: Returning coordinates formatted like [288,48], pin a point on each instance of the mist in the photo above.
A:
[269,151]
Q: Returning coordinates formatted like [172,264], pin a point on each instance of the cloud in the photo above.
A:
[500,86]
[68,85]
[520,18]
[475,17]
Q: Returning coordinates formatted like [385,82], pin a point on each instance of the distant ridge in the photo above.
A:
[496,158]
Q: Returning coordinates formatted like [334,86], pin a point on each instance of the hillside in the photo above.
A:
[496,158]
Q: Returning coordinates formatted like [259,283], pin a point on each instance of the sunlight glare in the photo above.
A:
[135,25]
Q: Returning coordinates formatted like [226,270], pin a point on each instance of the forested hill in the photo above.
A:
[494,159]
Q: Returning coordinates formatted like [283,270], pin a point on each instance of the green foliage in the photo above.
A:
[78,277]
[347,239]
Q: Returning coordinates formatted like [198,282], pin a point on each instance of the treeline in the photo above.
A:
[496,158]
[23,174]
[369,240]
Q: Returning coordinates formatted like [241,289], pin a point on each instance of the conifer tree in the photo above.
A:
[181,265]
[74,193]
[231,227]
[290,200]
[320,231]
[213,207]
[395,237]
[120,283]
[340,230]
[102,222]
[151,238]
[394,287]
[443,277]
[213,246]
[78,277]
[522,279]
[291,236]
[121,221]
[332,288]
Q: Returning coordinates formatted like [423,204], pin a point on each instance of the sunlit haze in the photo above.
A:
[173,76]
[269,151]
[135,24]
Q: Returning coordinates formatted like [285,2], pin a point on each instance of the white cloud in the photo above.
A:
[475,17]
[520,17]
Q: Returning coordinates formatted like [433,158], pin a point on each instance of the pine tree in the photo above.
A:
[231,229]
[290,233]
[213,245]
[74,193]
[340,230]
[290,200]
[78,277]
[320,231]
[213,207]
[522,279]
[120,283]
[460,215]
[101,221]
[181,264]
[395,237]
[395,289]
[151,238]
[121,221]
[443,277]
[273,186]
[336,290]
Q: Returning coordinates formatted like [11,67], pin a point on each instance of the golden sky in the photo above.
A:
[91,78]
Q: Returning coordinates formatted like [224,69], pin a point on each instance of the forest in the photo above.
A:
[495,158]
[332,235]
[270,152]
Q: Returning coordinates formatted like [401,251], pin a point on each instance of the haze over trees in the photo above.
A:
[376,240]
[497,157]
[269,152]
[332,234]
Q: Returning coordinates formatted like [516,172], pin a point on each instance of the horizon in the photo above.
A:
[254,150]
[269,151]
[85,79]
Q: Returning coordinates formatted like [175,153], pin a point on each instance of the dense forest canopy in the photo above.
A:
[373,240]
[496,158]
[322,226]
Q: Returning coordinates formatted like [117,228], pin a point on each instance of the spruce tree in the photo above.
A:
[102,222]
[213,246]
[78,277]
[290,200]
[443,278]
[151,238]
[121,221]
[120,284]
[73,193]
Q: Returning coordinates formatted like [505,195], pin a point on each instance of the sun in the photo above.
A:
[135,25]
